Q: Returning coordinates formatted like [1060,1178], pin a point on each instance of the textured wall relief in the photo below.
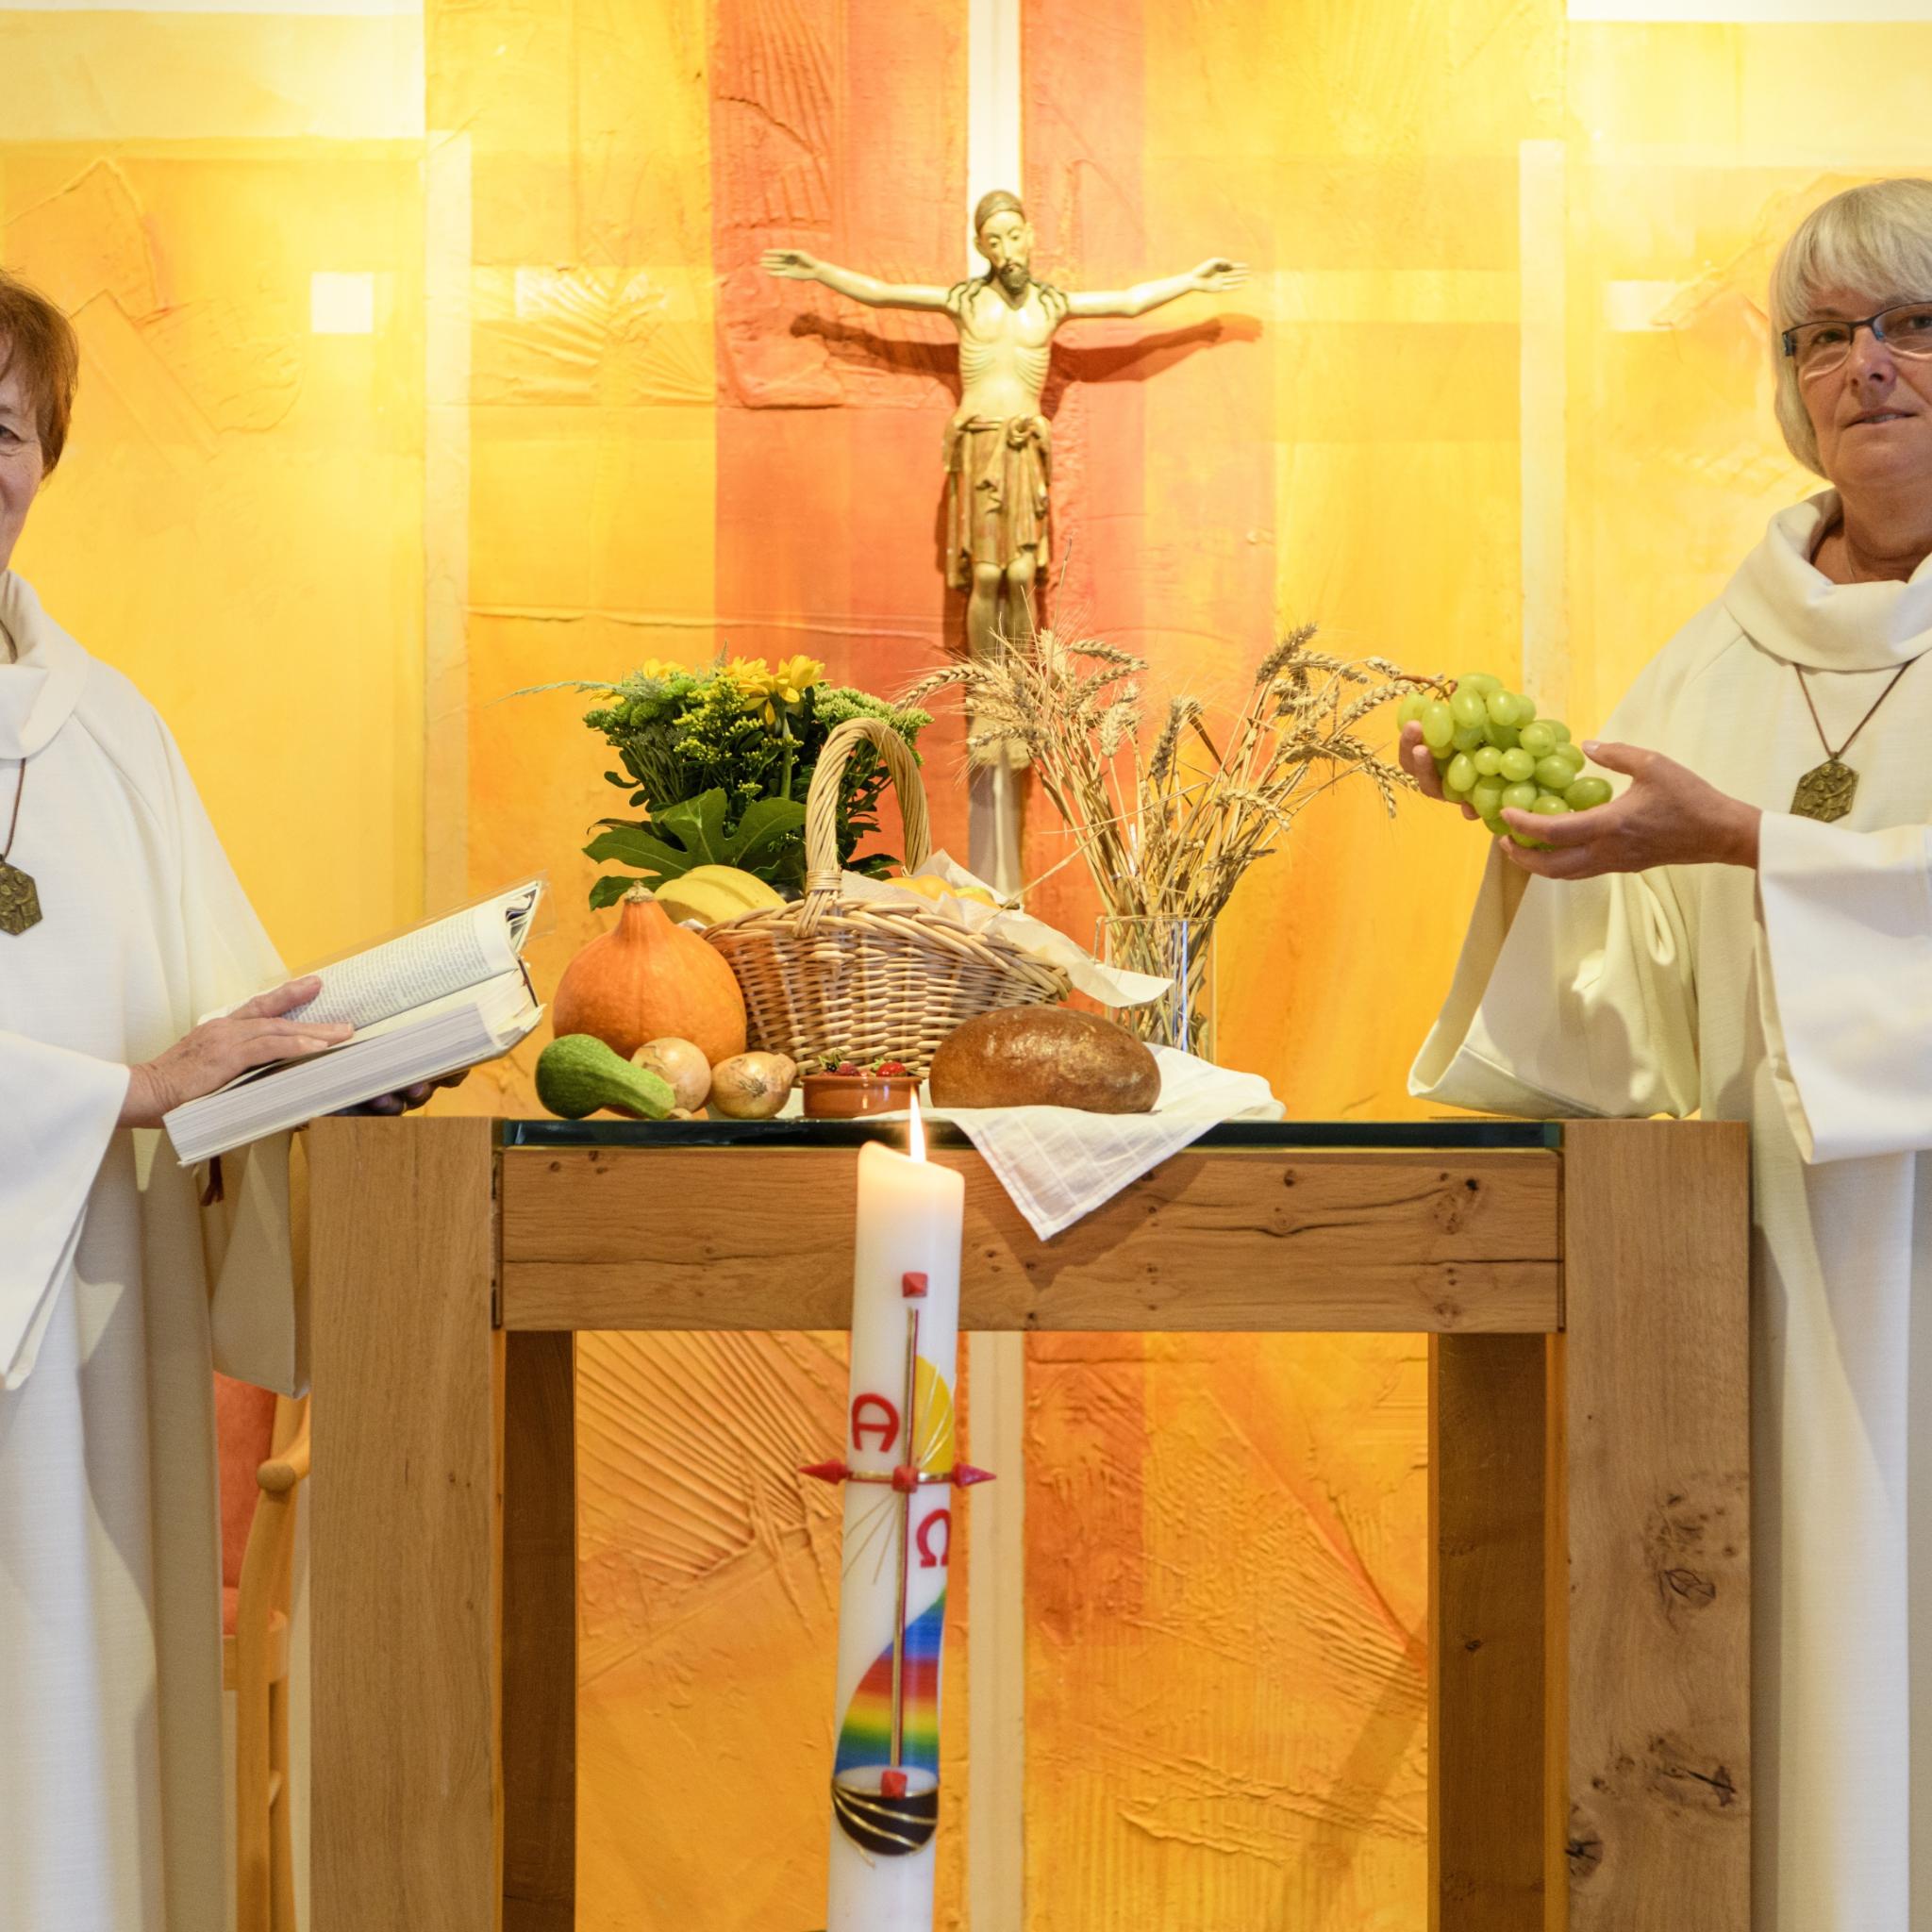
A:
[785,125]
[187,371]
[1227,1679]
[611,336]
[708,1601]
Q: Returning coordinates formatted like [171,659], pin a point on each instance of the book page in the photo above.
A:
[507,995]
[430,964]
[467,1030]
[420,966]
[520,908]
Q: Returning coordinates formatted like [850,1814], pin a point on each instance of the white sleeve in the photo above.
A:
[256,1242]
[230,957]
[1845,983]
[1571,998]
[57,1112]
[256,1306]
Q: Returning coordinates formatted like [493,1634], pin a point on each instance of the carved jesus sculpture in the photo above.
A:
[998,446]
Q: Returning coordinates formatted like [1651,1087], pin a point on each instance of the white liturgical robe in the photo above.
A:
[118,1293]
[1799,999]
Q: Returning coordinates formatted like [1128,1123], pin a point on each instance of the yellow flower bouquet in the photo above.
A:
[719,759]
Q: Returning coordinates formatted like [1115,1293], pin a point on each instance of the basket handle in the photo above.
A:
[822,868]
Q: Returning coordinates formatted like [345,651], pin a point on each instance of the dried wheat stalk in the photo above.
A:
[1170,835]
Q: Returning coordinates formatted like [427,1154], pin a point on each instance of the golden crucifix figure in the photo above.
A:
[998,446]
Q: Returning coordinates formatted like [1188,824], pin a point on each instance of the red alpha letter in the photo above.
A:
[875,1415]
[927,1560]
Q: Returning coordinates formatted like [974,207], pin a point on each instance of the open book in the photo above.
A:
[431,1002]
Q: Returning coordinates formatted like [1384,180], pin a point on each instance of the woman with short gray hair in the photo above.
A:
[1745,931]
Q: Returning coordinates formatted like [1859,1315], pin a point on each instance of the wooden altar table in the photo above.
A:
[1584,1288]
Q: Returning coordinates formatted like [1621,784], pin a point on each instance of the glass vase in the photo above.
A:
[1180,950]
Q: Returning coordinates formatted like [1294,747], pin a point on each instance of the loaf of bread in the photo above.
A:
[1044,1057]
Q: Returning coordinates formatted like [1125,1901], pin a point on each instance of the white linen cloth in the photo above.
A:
[118,1293]
[1113,985]
[1800,1000]
[1060,1163]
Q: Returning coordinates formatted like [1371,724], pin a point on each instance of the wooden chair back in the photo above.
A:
[264,1457]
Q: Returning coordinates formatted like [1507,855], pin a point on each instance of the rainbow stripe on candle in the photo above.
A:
[866,1736]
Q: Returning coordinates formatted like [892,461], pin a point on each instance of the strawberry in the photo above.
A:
[848,1067]
[891,1070]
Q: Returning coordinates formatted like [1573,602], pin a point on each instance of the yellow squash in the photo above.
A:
[710,893]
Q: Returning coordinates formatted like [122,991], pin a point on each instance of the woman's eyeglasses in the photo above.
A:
[1818,347]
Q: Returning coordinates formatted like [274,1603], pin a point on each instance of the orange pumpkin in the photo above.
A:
[649,979]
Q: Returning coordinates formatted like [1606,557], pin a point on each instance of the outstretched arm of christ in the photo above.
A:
[795,265]
[1214,276]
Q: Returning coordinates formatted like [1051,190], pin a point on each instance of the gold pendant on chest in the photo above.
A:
[20,901]
[1825,792]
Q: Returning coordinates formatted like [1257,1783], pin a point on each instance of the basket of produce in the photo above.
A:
[831,976]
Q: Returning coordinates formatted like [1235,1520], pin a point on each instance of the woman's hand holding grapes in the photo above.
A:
[1666,816]
[1420,763]
[1484,748]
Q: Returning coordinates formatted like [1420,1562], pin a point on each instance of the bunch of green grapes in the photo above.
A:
[1495,755]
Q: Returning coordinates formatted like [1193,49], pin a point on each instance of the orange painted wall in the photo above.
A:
[1248,1515]
[670,455]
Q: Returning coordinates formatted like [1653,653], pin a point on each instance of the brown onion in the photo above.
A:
[680,1064]
[752,1086]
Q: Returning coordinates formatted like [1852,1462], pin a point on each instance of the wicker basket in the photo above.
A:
[830,974]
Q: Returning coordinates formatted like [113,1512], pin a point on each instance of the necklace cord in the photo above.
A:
[19,791]
[19,787]
[1813,709]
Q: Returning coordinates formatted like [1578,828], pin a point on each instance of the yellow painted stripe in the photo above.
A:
[204,77]
[1544,386]
[447,255]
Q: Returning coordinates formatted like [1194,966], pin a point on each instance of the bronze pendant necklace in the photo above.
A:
[1825,792]
[20,902]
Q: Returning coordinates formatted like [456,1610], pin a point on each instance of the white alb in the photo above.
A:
[1799,999]
[117,1291]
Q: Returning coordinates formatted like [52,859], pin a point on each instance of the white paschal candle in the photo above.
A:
[897,1541]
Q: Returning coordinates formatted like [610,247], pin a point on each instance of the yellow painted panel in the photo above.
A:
[1226,1584]
[1265,85]
[1687,466]
[1844,94]
[588,447]
[190,76]
[1227,1670]
[1394,209]
[708,1598]
[612,511]
[238,523]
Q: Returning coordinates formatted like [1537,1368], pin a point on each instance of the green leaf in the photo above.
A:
[693,833]
[610,889]
[637,845]
[763,829]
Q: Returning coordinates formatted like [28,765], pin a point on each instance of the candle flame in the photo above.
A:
[915,1134]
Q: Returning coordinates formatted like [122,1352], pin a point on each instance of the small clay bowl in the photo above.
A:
[852,1096]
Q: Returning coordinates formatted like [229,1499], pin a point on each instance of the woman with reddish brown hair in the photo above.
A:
[120,922]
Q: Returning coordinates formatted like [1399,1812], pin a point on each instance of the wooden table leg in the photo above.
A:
[404,1566]
[1492,1661]
[1657,1420]
[540,1633]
